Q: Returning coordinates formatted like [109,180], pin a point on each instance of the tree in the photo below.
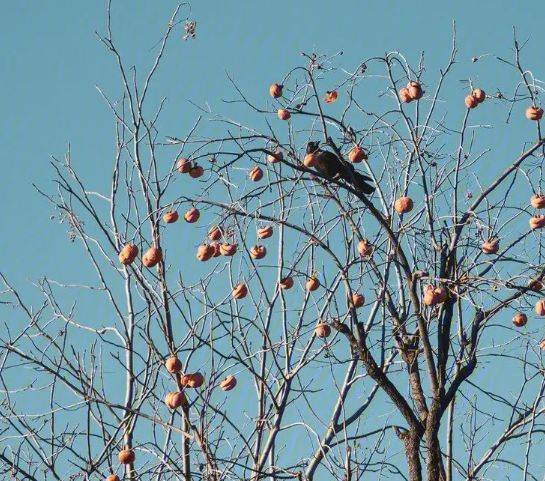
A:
[316,331]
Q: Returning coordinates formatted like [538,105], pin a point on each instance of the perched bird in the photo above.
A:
[329,165]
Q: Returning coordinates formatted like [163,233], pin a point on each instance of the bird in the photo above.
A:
[330,166]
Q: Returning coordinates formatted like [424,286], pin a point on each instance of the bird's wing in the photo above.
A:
[327,163]
[366,177]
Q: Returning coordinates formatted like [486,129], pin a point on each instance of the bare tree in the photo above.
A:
[346,313]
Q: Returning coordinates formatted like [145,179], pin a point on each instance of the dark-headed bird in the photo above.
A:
[330,166]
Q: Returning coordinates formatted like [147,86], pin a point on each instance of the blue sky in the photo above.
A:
[51,62]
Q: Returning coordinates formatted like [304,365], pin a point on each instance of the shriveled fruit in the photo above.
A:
[312,284]
[537,222]
[228,383]
[415,90]
[258,252]
[365,248]
[491,246]
[358,300]
[283,114]
[540,307]
[286,283]
[265,232]
[170,217]
[205,252]
[520,319]
[322,330]
[256,174]
[194,380]
[215,233]
[275,157]
[534,113]
[405,96]
[538,201]
[128,254]
[216,246]
[228,249]
[434,295]
[196,171]
[173,364]
[275,90]
[357,154]
[471,102]
[240,291]
[174,399]
[403,205]
[331,96]
[152,257]
[126,456]
[479,95]
[183,165]
[192,215]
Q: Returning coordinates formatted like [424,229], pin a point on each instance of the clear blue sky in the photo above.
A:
[51,61]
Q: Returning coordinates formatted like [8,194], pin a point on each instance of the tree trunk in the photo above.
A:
[412,452]
[436,470]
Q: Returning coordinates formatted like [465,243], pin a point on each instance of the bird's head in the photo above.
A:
[312,147]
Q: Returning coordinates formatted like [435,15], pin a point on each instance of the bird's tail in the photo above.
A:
[362,183]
